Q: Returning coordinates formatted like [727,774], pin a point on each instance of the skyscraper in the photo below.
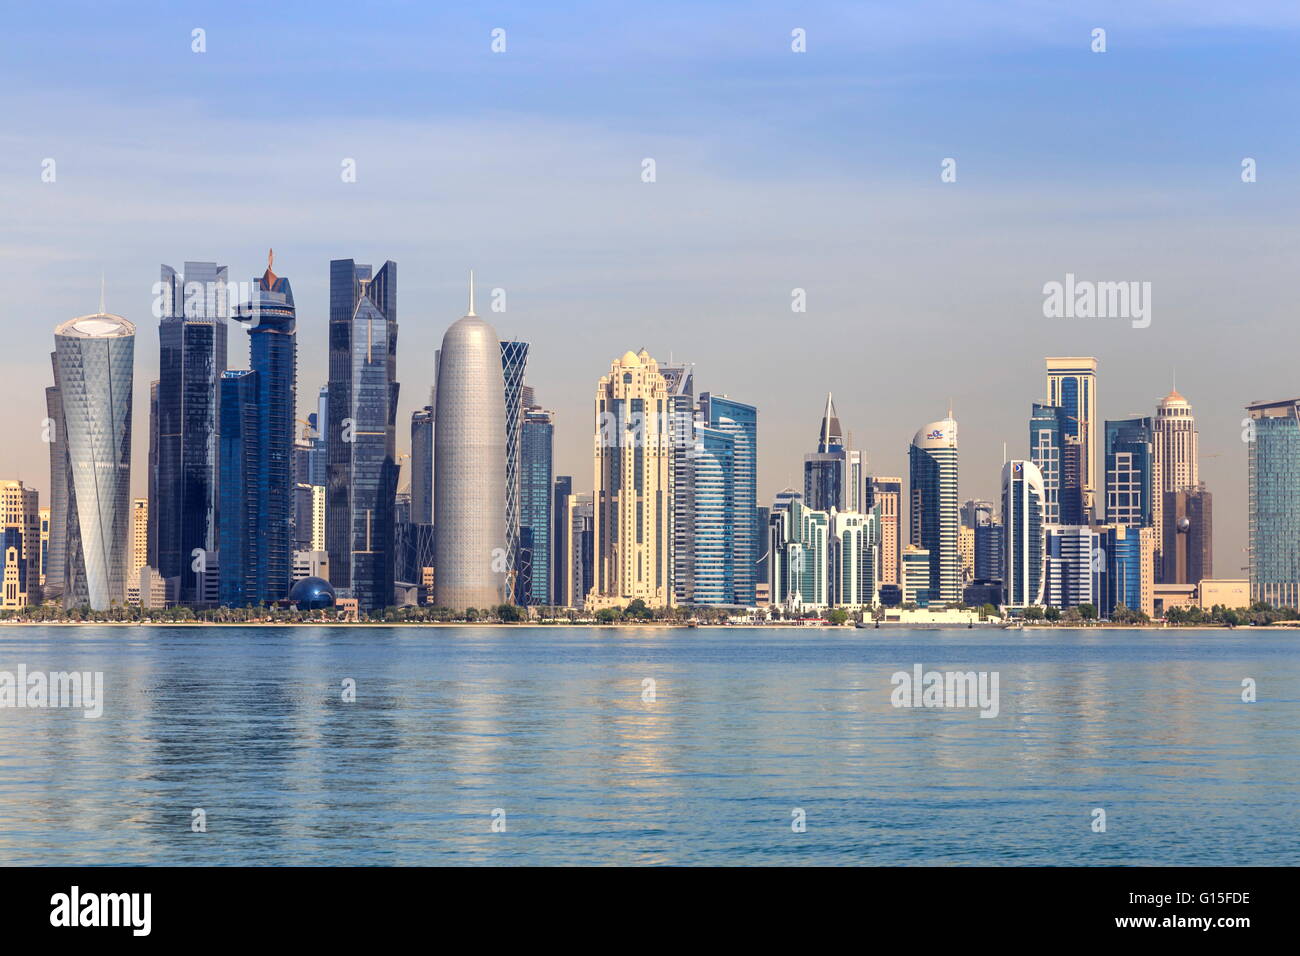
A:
[20,545]
[633,486]
[361,479]
[1176,443]
[1176,458]
[192,356]
[739,421]
[55,554]
[886,492]
[1188,535]
[257,488]
[514,363]
[1132,474]
[139,537]
[469,467]
[536,472]
[1055,451]
[422,465]
[713,457]
[932,461]
[94,365]
[679,381]
[832,475]
[798,554]
[561,491]
[1072,386]
[1022,517]
[1273,501]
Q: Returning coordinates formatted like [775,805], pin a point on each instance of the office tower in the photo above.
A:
[514,363]
[988,552]
[361,433]
[561,491]
[761,592]
[257,488]
[1127,552]
[155,448]
[798,555]
[192,338]
[1056,453]
[976,513]
[887,493]
[20,545]
[422,465]
[469,467]
[1176,443]
[916,583]
[45,544]
[966,554]
[933,472]
[854,542]
[1132,474]
[739,421]
[1273,501]
[1072,386]
[94,364]
[55,555]
[1022,517]
[832,475]
[633,486]
[578,550]
[679,386]
[1072,574]
[1188,535]
[713,459]
[536,473]
[139,536]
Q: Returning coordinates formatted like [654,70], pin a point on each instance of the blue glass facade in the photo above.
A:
[514,363]
[1130,460]
[536,468]
[715,516]
[238,483]
[1273,502]
[740,421]
[361,478]
[192,340]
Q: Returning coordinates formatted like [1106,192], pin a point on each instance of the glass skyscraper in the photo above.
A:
[932,460]
[93,369]
[739,421]
[514,363]
[832,475]
[716,516]
[361,478]
[536,470]
[1131,482]
[1273,501]
[422,465]
[1054,450]
[1022,517]
[1072,387]
[256,532]
[192,356]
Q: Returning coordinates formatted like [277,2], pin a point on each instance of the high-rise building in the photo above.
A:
[1022,517]
[192,356]
[469,467]
[798,555]
[886,492]
[139,537]
[53,432]
[854,560]
[361,433]
[1056,452]
[916,585]
[1132,474]
[20,545]
[713,462]
[1128,553]
[45,544]
[933,516]
[422,465]
[1176,443]
[1273,501]
[832,475]
[578,550]
[739,421]
[94,367]
[155,449]
[561,492]
[633,486]
[966,553]
[679,386]
[514,364]
[1072,386]
[975,513]
[1072,572]
[1188,535]
[989,540]
[536,474]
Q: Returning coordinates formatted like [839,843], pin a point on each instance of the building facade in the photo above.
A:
[1273,501]
[1023,507]
[932,460]
[1072,387]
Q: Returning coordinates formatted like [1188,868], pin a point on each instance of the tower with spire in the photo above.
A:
[832,475]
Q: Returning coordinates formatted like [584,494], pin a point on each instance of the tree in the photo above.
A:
[837,616]
[1033,613]
[510,613]
[638,609]
[1087,611]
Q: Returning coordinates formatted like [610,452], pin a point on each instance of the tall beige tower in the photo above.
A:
[139,537]
[632,527]
[1072,385]
[1176,443]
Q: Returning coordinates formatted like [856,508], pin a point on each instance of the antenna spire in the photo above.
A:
[471,293]
[101,292]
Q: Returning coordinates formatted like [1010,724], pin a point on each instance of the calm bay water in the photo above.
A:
[549,725]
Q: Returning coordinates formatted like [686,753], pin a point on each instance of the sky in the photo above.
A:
[774,171]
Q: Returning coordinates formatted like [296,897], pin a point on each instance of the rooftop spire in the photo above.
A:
[471,293]
[269,277]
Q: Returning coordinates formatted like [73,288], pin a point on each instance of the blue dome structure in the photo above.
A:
[311,594]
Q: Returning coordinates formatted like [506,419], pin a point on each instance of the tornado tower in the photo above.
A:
[469,463]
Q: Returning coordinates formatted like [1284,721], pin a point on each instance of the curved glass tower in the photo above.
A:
[469,463]
[94,358]
[933,465]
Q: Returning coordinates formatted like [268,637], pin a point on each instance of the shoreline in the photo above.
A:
[661,625]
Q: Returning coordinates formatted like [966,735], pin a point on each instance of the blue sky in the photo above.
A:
[775,170]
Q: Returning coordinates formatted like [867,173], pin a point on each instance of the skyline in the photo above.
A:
[779,175]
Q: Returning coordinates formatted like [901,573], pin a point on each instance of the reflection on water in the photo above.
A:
[549,725]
